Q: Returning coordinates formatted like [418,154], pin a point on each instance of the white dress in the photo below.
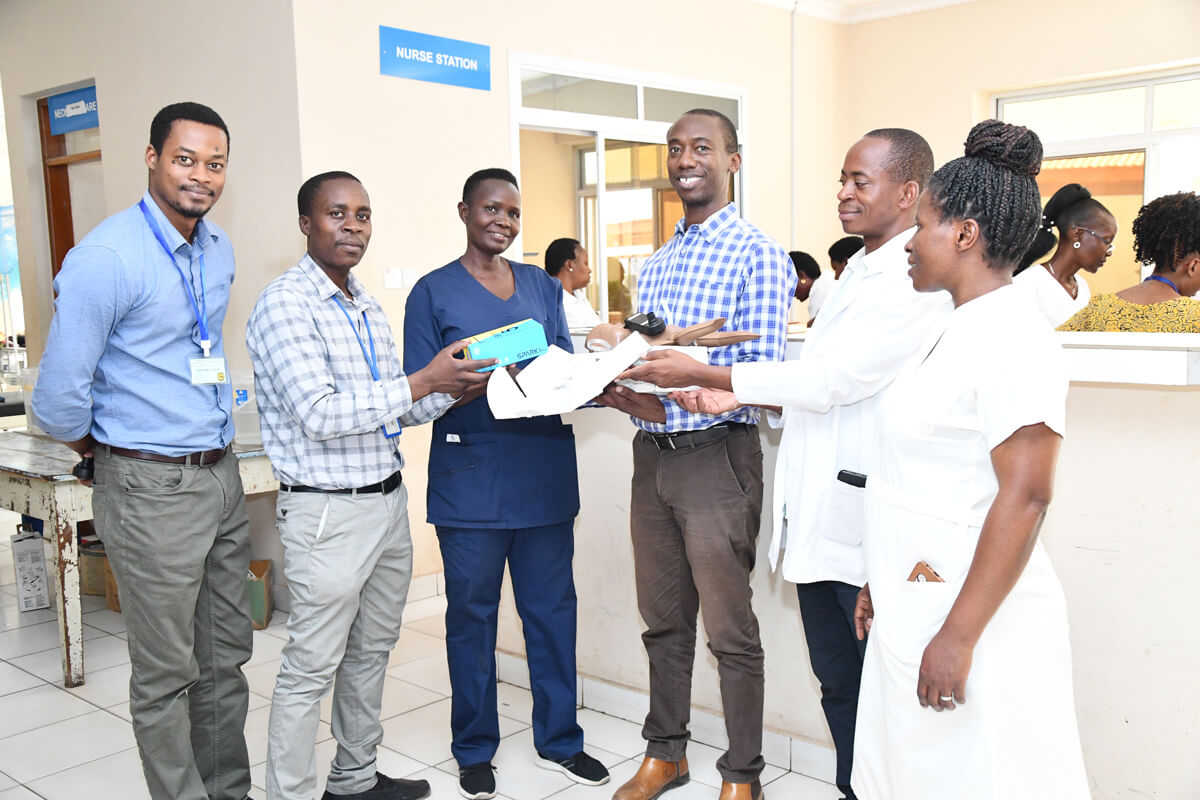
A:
[1049,296]
[995,368]
[580,314]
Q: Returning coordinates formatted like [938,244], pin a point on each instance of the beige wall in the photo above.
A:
[548,210]
[933,71]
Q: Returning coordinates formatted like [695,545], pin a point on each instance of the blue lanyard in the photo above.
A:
[1167,281]
[371,362]
[201,318]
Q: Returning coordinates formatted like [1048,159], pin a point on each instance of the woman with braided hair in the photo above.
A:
[966,686]
[1086,230]
[1166,234]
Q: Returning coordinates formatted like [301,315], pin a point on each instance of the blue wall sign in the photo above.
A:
[408,54]
[73,111]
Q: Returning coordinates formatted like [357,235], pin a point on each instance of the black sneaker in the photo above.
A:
[580,768]
[477,781]
[386,788]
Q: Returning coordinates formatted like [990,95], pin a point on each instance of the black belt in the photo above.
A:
[687,439]
[386,486]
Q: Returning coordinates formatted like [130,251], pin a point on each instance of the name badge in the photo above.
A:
[391,429]
[208,370]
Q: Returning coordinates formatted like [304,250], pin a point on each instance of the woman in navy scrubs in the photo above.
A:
[501,491]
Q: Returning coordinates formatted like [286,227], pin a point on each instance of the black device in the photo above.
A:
[85,470]
[647,323]
[852,478]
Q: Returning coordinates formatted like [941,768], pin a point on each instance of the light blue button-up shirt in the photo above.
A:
[117,361]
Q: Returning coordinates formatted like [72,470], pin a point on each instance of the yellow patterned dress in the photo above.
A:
[1107,312]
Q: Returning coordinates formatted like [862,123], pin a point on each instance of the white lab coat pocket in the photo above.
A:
[845,514]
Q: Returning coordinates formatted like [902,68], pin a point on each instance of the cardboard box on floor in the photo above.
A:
[258,587]
[29,562]
[92,564]
[112,599]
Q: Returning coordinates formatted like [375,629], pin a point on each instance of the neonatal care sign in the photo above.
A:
[408,54]
[73,111]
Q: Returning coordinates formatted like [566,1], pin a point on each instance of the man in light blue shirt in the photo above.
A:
[134,374]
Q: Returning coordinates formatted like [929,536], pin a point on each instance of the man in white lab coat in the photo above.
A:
[869,326]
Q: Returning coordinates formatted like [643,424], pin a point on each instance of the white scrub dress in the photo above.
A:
[1044,290]
[995,368]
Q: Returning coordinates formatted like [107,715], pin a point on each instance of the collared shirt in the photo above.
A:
[580,314]
[322,412]
[117,360]
[722,267]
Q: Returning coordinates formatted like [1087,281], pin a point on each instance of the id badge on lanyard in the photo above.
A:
[207,369]
[391,428]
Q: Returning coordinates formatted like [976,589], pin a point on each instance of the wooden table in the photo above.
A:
[36,480]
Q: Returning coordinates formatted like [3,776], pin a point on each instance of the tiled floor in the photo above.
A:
[59,743]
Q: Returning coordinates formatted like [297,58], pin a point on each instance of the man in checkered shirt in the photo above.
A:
[332,397]
[697,479]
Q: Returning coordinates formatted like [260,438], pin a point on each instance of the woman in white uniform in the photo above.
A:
[969,436]
[568,261]
[1086,230]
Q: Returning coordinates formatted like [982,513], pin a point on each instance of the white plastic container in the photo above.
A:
[28,381]
[247,432]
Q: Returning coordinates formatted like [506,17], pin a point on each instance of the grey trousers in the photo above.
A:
[178,541]
[348,561]
[694,521]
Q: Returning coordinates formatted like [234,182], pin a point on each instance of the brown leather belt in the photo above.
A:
[688,439]
[203,458]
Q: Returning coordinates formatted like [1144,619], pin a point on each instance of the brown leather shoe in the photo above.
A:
[741,791]
[654,777]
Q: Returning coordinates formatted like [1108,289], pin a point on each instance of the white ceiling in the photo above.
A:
[851,11]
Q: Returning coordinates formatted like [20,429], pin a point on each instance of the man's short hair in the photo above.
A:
[728,131]
[309,189]
[489,174]
[909,157]
[805,264]
[843,248]
[558,253]
[160,126]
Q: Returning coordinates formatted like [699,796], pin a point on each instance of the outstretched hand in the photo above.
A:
[454,376]
[665,368]
[706,401]
[643,406]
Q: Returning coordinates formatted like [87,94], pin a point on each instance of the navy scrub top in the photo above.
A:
[485,472]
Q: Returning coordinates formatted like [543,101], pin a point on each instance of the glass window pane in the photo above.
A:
[580,95]
[663,105]
[1177,105]
[1081,116]
[589,167]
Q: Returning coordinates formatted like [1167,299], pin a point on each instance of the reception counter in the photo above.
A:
[1122,532]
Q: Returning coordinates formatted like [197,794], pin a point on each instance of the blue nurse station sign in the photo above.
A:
[408,54]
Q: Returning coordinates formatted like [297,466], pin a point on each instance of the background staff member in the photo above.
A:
[697,480]
[134,371]
[568,261]
[501,492]
[332,397]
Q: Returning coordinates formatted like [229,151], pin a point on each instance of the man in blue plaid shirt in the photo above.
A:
[697,478]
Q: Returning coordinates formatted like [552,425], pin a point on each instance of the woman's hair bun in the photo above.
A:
[1012,147]
[1063,199]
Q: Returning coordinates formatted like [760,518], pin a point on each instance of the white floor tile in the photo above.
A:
[429,673]
[11,616]
[106,620]
[413,646]
[105,687]
[424,733]
[517,773]
[611,734]
[433,626]
[115,777]
[618,774]
[266,648]
[99,653]
[6,782]
[13,679]
[793,786]
[37,707]
[261,677]
[122,710]
[424,609]
[18,793]
[35,638]
[388,762]
[54,748]
[514,702]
